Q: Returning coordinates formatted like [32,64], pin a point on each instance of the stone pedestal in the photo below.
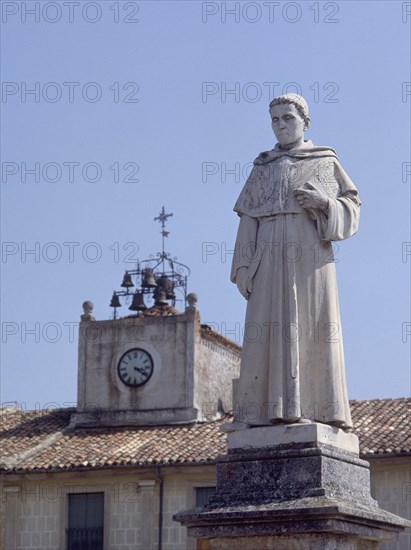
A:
[293,487]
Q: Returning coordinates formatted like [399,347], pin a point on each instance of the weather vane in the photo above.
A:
[162,218]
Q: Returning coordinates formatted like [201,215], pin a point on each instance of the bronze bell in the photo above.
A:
[170,294]
[127,281]
[161,298]
[115,302]
[148,279]
[138,302]
[165,284]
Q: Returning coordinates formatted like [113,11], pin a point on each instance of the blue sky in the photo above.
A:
[170,99]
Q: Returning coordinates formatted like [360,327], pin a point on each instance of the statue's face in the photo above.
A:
[287,124]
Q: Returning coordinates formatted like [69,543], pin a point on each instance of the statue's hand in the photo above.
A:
[310,196]
[241,280]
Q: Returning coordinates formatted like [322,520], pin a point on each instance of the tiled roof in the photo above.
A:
[382,425]
[22,432]
[43,440]
[102,447]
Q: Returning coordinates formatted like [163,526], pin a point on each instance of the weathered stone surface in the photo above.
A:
[299,542]
[311,515]
[297,495]
[268,436]
[294,470]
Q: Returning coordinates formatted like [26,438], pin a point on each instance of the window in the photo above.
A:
[85,521]
[203,494]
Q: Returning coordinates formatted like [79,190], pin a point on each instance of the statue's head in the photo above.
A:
[289,116]
[298,101]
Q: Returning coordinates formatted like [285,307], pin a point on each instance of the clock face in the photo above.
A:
[135,367]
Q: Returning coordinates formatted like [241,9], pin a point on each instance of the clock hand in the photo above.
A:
[140,370]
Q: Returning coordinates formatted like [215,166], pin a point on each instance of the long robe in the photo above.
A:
[292,364]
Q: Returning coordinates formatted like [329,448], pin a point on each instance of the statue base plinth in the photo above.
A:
[292,487]
[282,434]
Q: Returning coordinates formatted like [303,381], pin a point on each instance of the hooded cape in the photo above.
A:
[276,174]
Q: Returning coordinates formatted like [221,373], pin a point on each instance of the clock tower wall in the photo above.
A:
[190,378]
[217,363]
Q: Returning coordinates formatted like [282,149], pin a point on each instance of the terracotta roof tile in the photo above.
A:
[382,425]
[43,441]
[21,431]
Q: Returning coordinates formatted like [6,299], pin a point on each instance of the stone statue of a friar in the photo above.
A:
[296,201]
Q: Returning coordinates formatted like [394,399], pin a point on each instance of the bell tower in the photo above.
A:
[157,365]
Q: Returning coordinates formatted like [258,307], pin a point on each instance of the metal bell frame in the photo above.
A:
[157,279]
